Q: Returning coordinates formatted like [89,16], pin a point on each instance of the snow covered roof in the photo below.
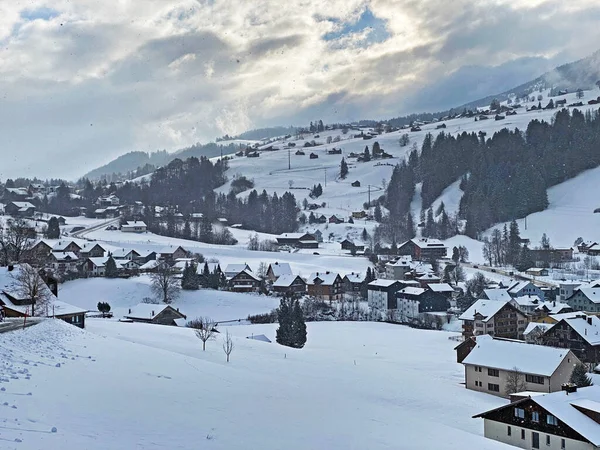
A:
[590,332]
[508,354]
[411,291]
[280,269]
[593,294]
[501,295]
[259,337]
[487,308]
[180,322]
[64,256]
[60,246]
[169,250]
[285,280]
[531,326]
[58,308]
[399,263]
[327,278]
[135,223]
[233,269]
[249,273]
[149,265]
[518,286]
[146,311]
[429,277]
[441,287]
[428,243]
[122,253]
[382,283]
[356,277]
[553,307]
[23,205]
[528,300]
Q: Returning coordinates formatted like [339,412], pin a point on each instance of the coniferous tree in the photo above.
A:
[343,169]
[110,270]
[367,154]
[53,230]
[292,327]
[580,377]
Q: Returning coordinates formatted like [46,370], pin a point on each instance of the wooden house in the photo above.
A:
[245,281]
[155,314]
[325,286]
[288,284]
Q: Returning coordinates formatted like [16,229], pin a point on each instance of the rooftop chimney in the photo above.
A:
[153,313]
[589,320]
[569,388]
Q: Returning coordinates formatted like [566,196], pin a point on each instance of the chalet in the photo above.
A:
[356,183]
[580,334]
[96,266]
[568,419]
[500,295]
[109,200]
[496,318]
[66,246]
[155,314]
[318,235]
[145,256]
[171,253]
[63,261]
[245,281]
[347,244]
[537,272]
[300,153]
[551,255]
[535,331]
[15,195]
[14,304]
[354,285]
[335,219]
[381,294]
[427,279]
[134,227]
[277,269]
[492,362]
[233,269]
[423,249]
[325,286]
[395,270]
[313,156]
[20,209]
[124,254]
[585,299]
[521,288]
[566,290]
[528,304]
[298,240]
[288,284]
[92,250]
[442,288]
[414,302]
[40,251]
[359,214]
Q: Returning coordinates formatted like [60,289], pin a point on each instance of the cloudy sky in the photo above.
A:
[84,81]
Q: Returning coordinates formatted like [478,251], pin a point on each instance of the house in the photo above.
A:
[381,294]
[245,281]
[298,240]
[172,253]
[149,266]
[287,284]
[585,299]
[425,249]
[580,334]
[91,250]
[66,246]
[442,288]
[567,419]
[154,314]
[354,285]
[63,261]
[14,304]
[96,266]
[537,272]
[521,288]
[356,183]
[566,290]
[551,255]
[359,214]
[413,302]
[124,254]
[15,195]
[528,304]
[496,318]
[535,331]
[347,244]
[427,279]
[396,270]
[134,227]
[325,286]
[109,200]
[499,295]
[318,235]
[40,251]
[549,309]
[492,363]
[145,256]
[19,209]
[335,219]
[464,348]
[233,269]
[277,269]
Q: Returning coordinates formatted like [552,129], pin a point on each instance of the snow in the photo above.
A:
[327,278]
[506,355]
[129,385]
[145,311]
[487,308]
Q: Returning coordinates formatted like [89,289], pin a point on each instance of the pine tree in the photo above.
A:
[292,327]
[110,270]
[377,213]
[53,230]
[343,169]
[455,254]
[367,154]
[299,325]
[580,377]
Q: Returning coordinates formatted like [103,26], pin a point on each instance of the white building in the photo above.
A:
[134,227]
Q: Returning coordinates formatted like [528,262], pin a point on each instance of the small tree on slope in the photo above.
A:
[580,376]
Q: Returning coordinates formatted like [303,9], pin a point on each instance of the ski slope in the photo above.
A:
[123,386]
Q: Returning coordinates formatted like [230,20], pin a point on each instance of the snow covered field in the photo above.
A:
[124,386]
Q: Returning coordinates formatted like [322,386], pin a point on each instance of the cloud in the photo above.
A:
[83,82]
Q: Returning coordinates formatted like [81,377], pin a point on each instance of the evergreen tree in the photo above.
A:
[292,327]
[110,270]
[299,325]
[53,230]
[455,254]
[365,235]
[376,150]
[580,377]
[367,154]
[343,169]
[377,213]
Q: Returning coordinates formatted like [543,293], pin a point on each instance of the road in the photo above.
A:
[12,325]
[516,275]
[81,233]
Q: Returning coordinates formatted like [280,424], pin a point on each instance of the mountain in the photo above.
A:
[266,133]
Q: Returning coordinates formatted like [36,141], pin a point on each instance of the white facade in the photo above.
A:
[377,299]
[499,431]
[408,309]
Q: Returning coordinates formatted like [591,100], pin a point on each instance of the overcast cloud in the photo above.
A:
[84,81]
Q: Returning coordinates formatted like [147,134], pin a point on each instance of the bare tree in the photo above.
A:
[227,344]
[262,270]
[164,284]
[515,381]
[205,329]
[28,285]
[16,239]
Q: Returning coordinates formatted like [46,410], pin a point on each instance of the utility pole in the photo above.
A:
[325,170]
[289,160]
[369,196]
[525,222]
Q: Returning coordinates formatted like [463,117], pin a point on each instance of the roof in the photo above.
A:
[327,278]
[531,326]
[169,250]
[589,332]
[593,294]
[259,337]
[249,273]
[497,294]
[146,311]
[356,277]
[528,300]
[412,291]
[149,265]
[135,223]
[487,308]
[60,246]
[441,287]
[235,268]
[508,354]
[285,280]
[58,308]
[279,269]
[63,256]
[428,243]
[122,252]
[518,286]
[22,205]
[382,283]
[428,276]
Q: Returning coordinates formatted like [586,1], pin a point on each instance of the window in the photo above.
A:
[535,439]
[509,431]
[520,413]
[523,434]
[534,379]
[563,444]
[535,416]
[493,387]
[551,420]
[548,439]
[493,372]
